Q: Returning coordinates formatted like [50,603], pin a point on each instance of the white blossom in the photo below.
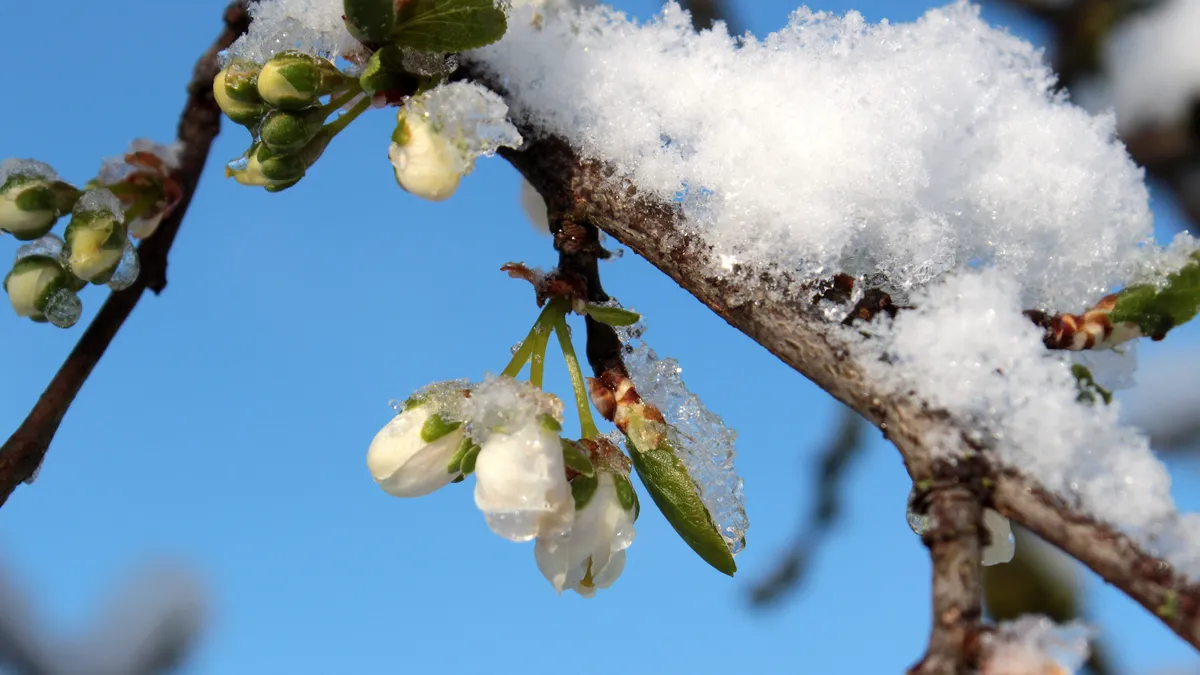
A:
[404,463]
[521,483]
[592,555]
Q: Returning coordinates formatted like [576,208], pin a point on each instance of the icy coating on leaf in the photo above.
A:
[311,26]
[701,439]
[472,118]
[834,145]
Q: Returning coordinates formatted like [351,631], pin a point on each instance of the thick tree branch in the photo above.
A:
[199,124]
[789,326]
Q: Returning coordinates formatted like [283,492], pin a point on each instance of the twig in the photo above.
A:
[23,452]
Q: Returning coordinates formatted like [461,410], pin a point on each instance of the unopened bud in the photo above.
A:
[241,81]
[37,289]
[95,237]
[31,202]
[426,162]
[284,131]
[241,112]
[262,167]
[294,80]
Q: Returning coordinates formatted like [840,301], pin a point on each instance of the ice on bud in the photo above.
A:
[592,555]
[241,112]
[521,484]
[1035,645]
[1001,546]
[127,270]
[441,133]
[95,238]
[37,288]
[240,78]
[293,80]
[32,197]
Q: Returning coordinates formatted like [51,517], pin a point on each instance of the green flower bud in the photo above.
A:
[293,80]
[243,113]
[37,288]
[95,237]
[30,204]
[284,132]
[262,167]
[241,81]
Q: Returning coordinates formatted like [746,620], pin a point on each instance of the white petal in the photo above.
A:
[1001,547]
[521,485]
[551,556]
[405,465]
[605,577]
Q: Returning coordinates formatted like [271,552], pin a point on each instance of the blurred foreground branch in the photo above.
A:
[23,452]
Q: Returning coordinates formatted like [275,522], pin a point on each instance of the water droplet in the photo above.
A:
[63,308]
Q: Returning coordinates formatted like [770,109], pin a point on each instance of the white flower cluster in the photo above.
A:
[508,434]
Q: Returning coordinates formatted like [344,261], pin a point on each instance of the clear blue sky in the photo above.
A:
[227,425]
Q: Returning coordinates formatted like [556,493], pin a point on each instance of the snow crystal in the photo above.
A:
[26,167]
[50,245]
[1153,64]
[1034,645]
[901,149]
[700,438]
[312,26]
[504,405]
[474,119]
[100,200]
[968,349]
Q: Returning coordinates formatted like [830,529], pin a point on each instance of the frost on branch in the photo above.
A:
[1034,645]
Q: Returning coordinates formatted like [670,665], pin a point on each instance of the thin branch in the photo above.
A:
[23,452]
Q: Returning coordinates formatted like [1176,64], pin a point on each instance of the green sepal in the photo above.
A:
[613,316]
[369,21]
[385,72]
[583,488]
[294,80]
[285,132]
[575,458]
[1157,310]
[1088,389]
[673,491]
[281,186]
[550,424]
[65,196]
[39,198]
[436,427]
[448,26]
[241,81]
[469,458]
[455,465]
[626,495]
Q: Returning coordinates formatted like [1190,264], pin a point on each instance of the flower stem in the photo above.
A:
[540,332]
[587,426]
[335,127]
[537,360]
[339,101]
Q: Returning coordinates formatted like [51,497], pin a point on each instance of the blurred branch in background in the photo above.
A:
[1086,57]
[707,12]
[150,627]
[1040,580]
[846,443]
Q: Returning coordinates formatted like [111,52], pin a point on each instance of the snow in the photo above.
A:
[1034,645]
[311,26]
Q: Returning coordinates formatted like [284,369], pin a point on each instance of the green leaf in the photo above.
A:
[436,427]
[583,488]
[613,316]
[448,26]
[370,21]
[574,457]
[468,460]
[674,492]
[1156,310]
[384,72]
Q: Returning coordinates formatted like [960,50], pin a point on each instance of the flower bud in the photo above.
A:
[261,167]
[241,81]
[293,80]
[241,112]
[413,454]
[37,288]
[95,237]
[521,484]
[285,132]
[426,163]
[592,555]
[31,198]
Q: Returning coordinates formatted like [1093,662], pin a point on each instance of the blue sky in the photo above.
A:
[227,425]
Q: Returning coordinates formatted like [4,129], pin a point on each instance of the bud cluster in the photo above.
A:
[127,199]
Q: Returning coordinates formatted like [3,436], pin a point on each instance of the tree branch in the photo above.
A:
[789,326]
[22,453]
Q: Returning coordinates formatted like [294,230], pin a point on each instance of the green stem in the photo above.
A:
[339,101]
[537,360]
[335,127]
[541,328]
[587,426]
